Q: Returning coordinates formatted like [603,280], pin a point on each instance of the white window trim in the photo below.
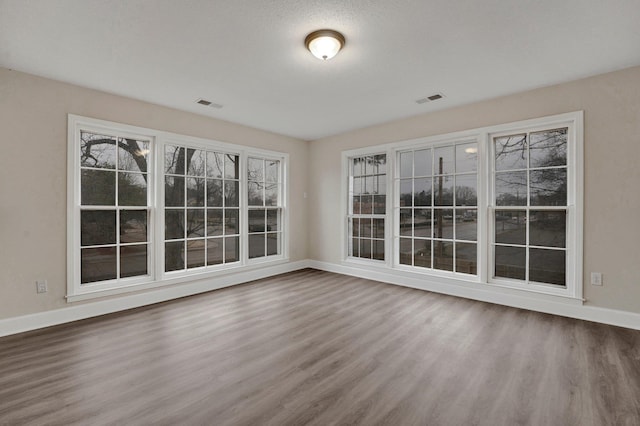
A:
[575,160]
[157,277]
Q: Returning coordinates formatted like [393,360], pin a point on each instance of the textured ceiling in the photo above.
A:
[249,55]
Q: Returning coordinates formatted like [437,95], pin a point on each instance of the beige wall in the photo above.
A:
[33,120]
[33,128]
[611,103]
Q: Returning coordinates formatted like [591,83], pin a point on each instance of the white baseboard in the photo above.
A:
[533,302]
[487,293]
[101,307]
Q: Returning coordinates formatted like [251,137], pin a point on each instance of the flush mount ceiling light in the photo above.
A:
[324,44]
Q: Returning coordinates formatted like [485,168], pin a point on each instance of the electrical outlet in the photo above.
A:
[596,278]
[41,286]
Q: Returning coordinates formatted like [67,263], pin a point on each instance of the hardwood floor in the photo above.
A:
[318,348]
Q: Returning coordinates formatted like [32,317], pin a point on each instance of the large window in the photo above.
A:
[202,214]
[146,208]
[367,206]
[437,200]
[264,188]
[114,206]
[499,206]
[530,199]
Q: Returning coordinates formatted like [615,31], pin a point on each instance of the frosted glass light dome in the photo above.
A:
[324,44]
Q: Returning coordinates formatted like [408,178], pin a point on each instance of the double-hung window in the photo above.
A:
[437,211]
[148,208]
[367,206]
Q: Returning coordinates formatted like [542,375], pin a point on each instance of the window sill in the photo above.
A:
[97,293]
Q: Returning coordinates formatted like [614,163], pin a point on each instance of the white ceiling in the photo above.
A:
[249,55]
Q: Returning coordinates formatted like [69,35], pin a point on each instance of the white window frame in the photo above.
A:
[157,277]
[483,137]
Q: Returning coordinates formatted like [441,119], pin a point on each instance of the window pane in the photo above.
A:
[173,224]
[510,262]
[196,160]
[255,169]
[195,192]
[355,247]
[444,160]
[548,148]
[231,196]
[406,164]
[133,155]
[443,224]
[378,250]
[466,158]
[381,187]
[174,160]
[133,260]
[443,255]
[369,187]
[133,226]
[380,161]
[547,266]
[443,188]
[355,227]
[257,220]
[357,185]
[406,251]
[195,253]
[406,192]
[272,171]
[511,189]
[97,227]
[215,253]
[423,162]
[273,243]
[272,220]
[511,227]
[378,228]
[231,249]
[195,223]
[256,196]
[174,191]
[132,189]
[422,222]
[547,228]
[406,222]
[256,245]
[97,151]
[358,166]
[214,222]
[466,190]
[356,204]
[231,167]
[549,187]
[231,221]
[215,164]
[366,204]
[214,193]
[422,191]
[379,204]
[365,248]
[173,256]
[466,225]
[511,152]
[422,253]
[98,264]
[98,188]
[466,258]
[271,194]
[365,228]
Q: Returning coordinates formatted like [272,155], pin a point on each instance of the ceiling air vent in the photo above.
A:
[208,103]
[431,98]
